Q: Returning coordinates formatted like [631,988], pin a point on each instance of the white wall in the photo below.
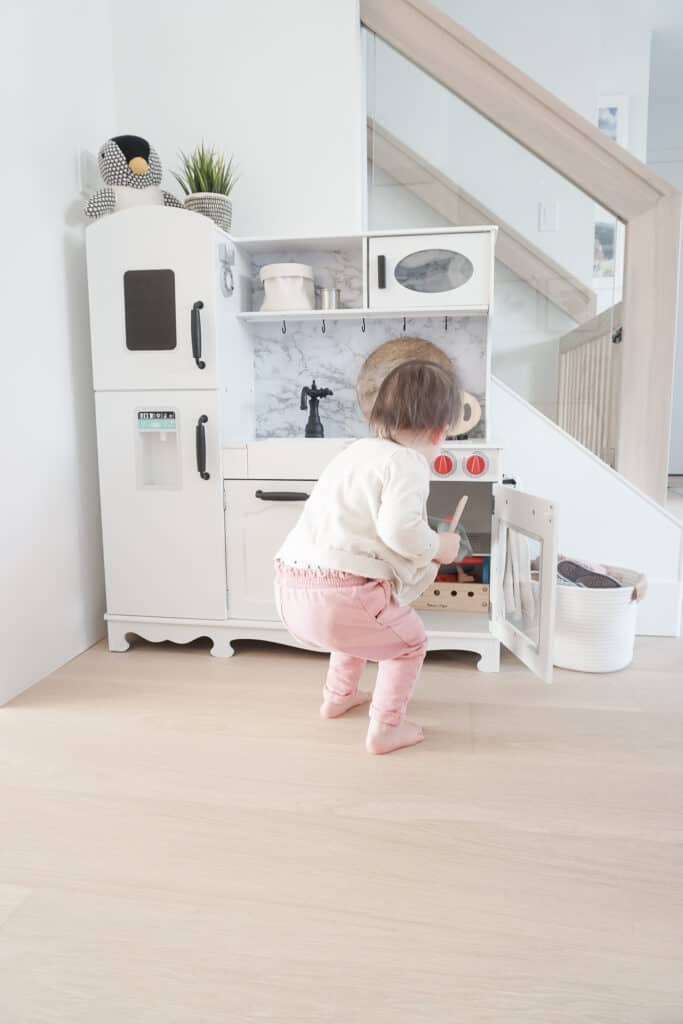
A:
[577,51]
[625,35]
[543,40]
[277,84]
[55,64]
[665,156]
[672,169]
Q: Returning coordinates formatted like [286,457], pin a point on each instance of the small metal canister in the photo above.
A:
[329,298]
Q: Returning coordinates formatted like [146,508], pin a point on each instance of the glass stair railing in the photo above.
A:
[435,161]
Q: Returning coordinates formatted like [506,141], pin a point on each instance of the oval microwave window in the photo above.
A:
[433,270]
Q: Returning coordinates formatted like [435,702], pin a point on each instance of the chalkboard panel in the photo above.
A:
[149,297]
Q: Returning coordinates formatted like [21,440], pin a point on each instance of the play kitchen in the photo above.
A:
[223,386]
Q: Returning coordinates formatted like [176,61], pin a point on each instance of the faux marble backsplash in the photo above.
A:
[285,363]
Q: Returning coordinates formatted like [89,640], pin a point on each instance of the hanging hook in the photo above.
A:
[404,325]
[284,326]
[362,324]
[323,328]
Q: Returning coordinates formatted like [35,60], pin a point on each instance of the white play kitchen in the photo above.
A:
[212,404]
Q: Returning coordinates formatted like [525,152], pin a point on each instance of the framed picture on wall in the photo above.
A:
[604,246]
[608,237]
[613,118]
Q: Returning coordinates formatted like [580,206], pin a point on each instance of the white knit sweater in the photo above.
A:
[367,515]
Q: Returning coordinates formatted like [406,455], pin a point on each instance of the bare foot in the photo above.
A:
[382,739]
[335,708]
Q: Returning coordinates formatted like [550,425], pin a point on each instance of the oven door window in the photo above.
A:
[433,270]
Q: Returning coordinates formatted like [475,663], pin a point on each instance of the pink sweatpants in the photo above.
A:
[358,620]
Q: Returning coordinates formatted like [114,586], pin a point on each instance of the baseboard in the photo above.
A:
[660,613]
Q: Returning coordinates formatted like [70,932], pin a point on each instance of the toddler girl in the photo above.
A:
[363,549]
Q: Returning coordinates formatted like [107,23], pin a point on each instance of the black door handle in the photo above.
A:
[196,332]
[281,495]
[200,447]
[381,271]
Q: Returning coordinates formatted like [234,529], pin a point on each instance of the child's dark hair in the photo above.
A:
[417,395]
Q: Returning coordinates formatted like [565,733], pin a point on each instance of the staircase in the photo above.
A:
[602,516]
[614,398]
[583,394]
[597,366]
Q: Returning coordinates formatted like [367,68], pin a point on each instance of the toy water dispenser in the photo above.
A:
[156,434]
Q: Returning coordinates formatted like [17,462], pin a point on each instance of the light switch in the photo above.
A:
[549,216]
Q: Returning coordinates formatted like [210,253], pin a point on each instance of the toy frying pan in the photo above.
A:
[382,361]
[384,358]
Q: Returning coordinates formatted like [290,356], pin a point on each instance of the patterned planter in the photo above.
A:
[211,204]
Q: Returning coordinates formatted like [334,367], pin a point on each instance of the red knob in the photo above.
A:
[444,465]
[476,465]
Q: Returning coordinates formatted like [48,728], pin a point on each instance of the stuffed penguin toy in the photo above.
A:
[131,170]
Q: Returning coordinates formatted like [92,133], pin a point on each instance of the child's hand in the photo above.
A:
[447,551]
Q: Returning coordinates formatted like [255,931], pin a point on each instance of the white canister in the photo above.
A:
[287,286]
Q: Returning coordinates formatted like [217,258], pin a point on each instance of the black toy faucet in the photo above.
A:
[310,398]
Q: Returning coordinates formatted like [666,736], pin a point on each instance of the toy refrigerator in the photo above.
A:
[158,304]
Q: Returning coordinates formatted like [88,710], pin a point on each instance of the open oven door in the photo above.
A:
[523,576]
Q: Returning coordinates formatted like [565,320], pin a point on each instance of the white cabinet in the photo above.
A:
[162,502]
[430,271]
[154,288]
[523,538]
[258,516]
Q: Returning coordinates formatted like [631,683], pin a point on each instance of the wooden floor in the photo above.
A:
[183,841]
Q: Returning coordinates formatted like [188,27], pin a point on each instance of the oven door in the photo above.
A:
[523,576]
[258,516]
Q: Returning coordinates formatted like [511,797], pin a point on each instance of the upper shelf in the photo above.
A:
[347,243]
[265,316]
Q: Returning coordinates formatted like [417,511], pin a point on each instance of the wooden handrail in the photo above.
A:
[516,103]
[649,206]
[608,322]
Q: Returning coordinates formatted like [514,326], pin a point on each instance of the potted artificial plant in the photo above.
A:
[207,179]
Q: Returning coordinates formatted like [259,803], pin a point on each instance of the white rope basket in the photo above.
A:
[595,628]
